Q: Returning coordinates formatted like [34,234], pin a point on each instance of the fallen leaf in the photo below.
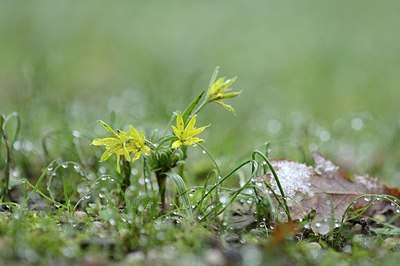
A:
[282,231]
[327,190]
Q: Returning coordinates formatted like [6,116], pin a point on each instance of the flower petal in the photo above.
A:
[126,154]
[226,106]
[118,164]
[105,141]
[177,132]
[145,149]
[136,156]
[192,141]
[108,128]
[191,123]
[180,124]
[176,144]
[105,156]
[134,133]
[199,130]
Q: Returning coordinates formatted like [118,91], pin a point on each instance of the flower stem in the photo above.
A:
[198,109]
[161,178]
[127,172]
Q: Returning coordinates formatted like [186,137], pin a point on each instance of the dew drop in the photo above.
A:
[17,145]
[64,165]
[367,198]
[134,171]
[76,134]
[272,226]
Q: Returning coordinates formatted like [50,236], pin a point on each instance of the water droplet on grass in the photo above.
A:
[64,165]
[17,145]
[76,134]
[357,124]
[367,198]
[272,226]
[134,171]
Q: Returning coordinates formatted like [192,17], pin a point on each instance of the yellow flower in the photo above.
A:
[186,134]
[138,142]
[220,89]
[122,144]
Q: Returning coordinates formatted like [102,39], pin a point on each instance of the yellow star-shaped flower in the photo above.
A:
[122,144]
[220,89]
[186,134]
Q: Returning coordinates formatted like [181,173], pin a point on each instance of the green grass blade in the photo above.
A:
[191,106]
[181,187]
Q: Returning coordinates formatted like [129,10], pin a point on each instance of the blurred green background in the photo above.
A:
[315,74]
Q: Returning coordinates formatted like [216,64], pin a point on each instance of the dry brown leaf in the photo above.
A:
[327,190]
[281,232]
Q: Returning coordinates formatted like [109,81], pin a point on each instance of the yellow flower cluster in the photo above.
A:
[122,144]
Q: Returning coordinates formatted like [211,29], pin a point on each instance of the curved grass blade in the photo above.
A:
[181,187]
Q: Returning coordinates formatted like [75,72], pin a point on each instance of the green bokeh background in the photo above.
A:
[65,64]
